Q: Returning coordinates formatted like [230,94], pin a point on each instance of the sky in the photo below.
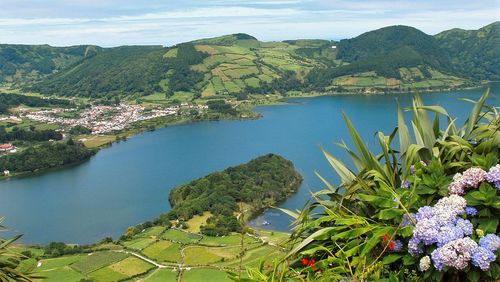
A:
[166,22]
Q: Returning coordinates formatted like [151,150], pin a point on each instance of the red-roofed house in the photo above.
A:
[7,148]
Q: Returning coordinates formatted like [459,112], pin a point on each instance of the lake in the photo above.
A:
[129,182]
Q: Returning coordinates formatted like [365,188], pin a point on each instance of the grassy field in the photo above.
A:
[164,251]
[162,275]
[205,275]
[182,237]
[98,260]
[197,220]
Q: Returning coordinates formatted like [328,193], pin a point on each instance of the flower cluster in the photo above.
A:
[394,246]
[443,226]
[471,178]
[493,176]
[309,262]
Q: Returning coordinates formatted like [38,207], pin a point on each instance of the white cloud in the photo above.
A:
[267,20]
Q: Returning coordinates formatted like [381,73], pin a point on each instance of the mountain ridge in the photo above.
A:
[392,58]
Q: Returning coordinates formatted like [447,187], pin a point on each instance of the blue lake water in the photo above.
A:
[129,182]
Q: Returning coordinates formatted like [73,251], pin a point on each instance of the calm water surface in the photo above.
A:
[130,182]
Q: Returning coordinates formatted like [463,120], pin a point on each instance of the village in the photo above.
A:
[105,119]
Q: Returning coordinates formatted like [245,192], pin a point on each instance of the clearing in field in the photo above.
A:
[164,251]
[253,257]
[205,275]
[196,221]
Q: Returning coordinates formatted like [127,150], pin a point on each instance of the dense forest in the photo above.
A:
[110,73]
[20,134]
[474,53]
[182,77]
[260,183]
[46,155]
[21,62]
[8,101]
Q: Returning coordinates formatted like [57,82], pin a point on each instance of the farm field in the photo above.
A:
[139,257]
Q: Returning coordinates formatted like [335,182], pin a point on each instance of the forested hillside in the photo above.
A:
[113,72]
[25,62]
[394,58]
[260,183]
[474,53]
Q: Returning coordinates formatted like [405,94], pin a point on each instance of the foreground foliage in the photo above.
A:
[402,204]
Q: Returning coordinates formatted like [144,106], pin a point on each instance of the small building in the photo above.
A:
[6,173]
[334,47]
[7,148]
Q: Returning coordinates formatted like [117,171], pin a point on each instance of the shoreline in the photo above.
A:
[271,101]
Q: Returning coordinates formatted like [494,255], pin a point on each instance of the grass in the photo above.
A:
[107,275]
[98,260]
[94,141]
[59,262]
[230,240]
[131,266]
[182,237]
[138,243]
[253,257]
[162,275]
[152,232]
[198,255]
[205,275]
[197,221]
[164,251]
[64,273]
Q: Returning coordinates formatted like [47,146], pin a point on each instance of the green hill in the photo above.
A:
[474,53]
[25,62]
[393,58]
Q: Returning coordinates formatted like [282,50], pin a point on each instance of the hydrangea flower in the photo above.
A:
[482,258]
[457,186]
[493,176]
[396,245]
[470,211]
[427,231]
[425,263]
[490,242]
[405,184]
[447,234]
[473,176]
[456,254]
[424,212]
[465,226]
[414,247]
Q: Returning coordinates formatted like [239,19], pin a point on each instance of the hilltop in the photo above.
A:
[394,58]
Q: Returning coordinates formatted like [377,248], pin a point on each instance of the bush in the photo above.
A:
[426,211]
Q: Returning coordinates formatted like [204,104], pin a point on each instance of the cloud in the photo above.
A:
[102,22]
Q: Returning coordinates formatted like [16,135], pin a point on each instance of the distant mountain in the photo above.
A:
[473,53]
[393,58]
[25,62]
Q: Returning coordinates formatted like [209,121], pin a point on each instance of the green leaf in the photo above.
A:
[390,214]
[391,258]
[488,225]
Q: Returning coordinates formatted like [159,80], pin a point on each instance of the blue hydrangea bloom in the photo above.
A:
[425,212]
[448,233]
[405,184]
[437,260]
[470,211]
[414,247]
[465,225]
[482,258]
[490,242]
